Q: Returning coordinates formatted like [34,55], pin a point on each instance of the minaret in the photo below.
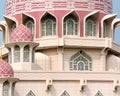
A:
[21,49]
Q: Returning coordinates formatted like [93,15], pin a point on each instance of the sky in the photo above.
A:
[116,10]
[2,8]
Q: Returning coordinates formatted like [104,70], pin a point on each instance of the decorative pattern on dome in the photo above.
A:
[21,34]
[5,69]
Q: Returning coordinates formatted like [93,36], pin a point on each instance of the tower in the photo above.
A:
[21,49]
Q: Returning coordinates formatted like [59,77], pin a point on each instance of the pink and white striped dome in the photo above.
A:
[5,70]
[21,34]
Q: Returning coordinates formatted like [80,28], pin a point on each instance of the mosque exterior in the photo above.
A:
[59,48]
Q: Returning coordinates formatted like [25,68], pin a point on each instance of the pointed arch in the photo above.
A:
[29,22]
[80,61]
[30,93]
[98,94]
[91,24]
[65,93]
[70,24]
[48,25]
[11,25]
[106,24]
[6,87]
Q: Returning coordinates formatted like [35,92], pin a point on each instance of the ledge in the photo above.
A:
[74,42]
[92,76]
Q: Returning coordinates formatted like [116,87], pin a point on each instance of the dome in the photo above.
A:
[5,69]
[21,34]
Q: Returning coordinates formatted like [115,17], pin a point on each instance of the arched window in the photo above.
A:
[6,88]
[26,53]
[98,94]
[65,94]
[48,25]
[80,61]
[30,93]
[70,25]
[30,24]
[16,53]
[90,28]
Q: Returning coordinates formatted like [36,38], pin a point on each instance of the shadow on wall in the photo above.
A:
[42,62]
[113,63]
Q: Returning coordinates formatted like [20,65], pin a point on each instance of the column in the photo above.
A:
[60,51]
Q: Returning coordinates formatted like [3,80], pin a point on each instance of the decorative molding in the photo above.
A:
[14,7]
[116,84]
[83,84]
[49,83]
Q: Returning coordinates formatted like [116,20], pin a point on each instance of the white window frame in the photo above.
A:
[93,28]
[26,53]
[75,26]
[16,54]
[6,87]
[44,27]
